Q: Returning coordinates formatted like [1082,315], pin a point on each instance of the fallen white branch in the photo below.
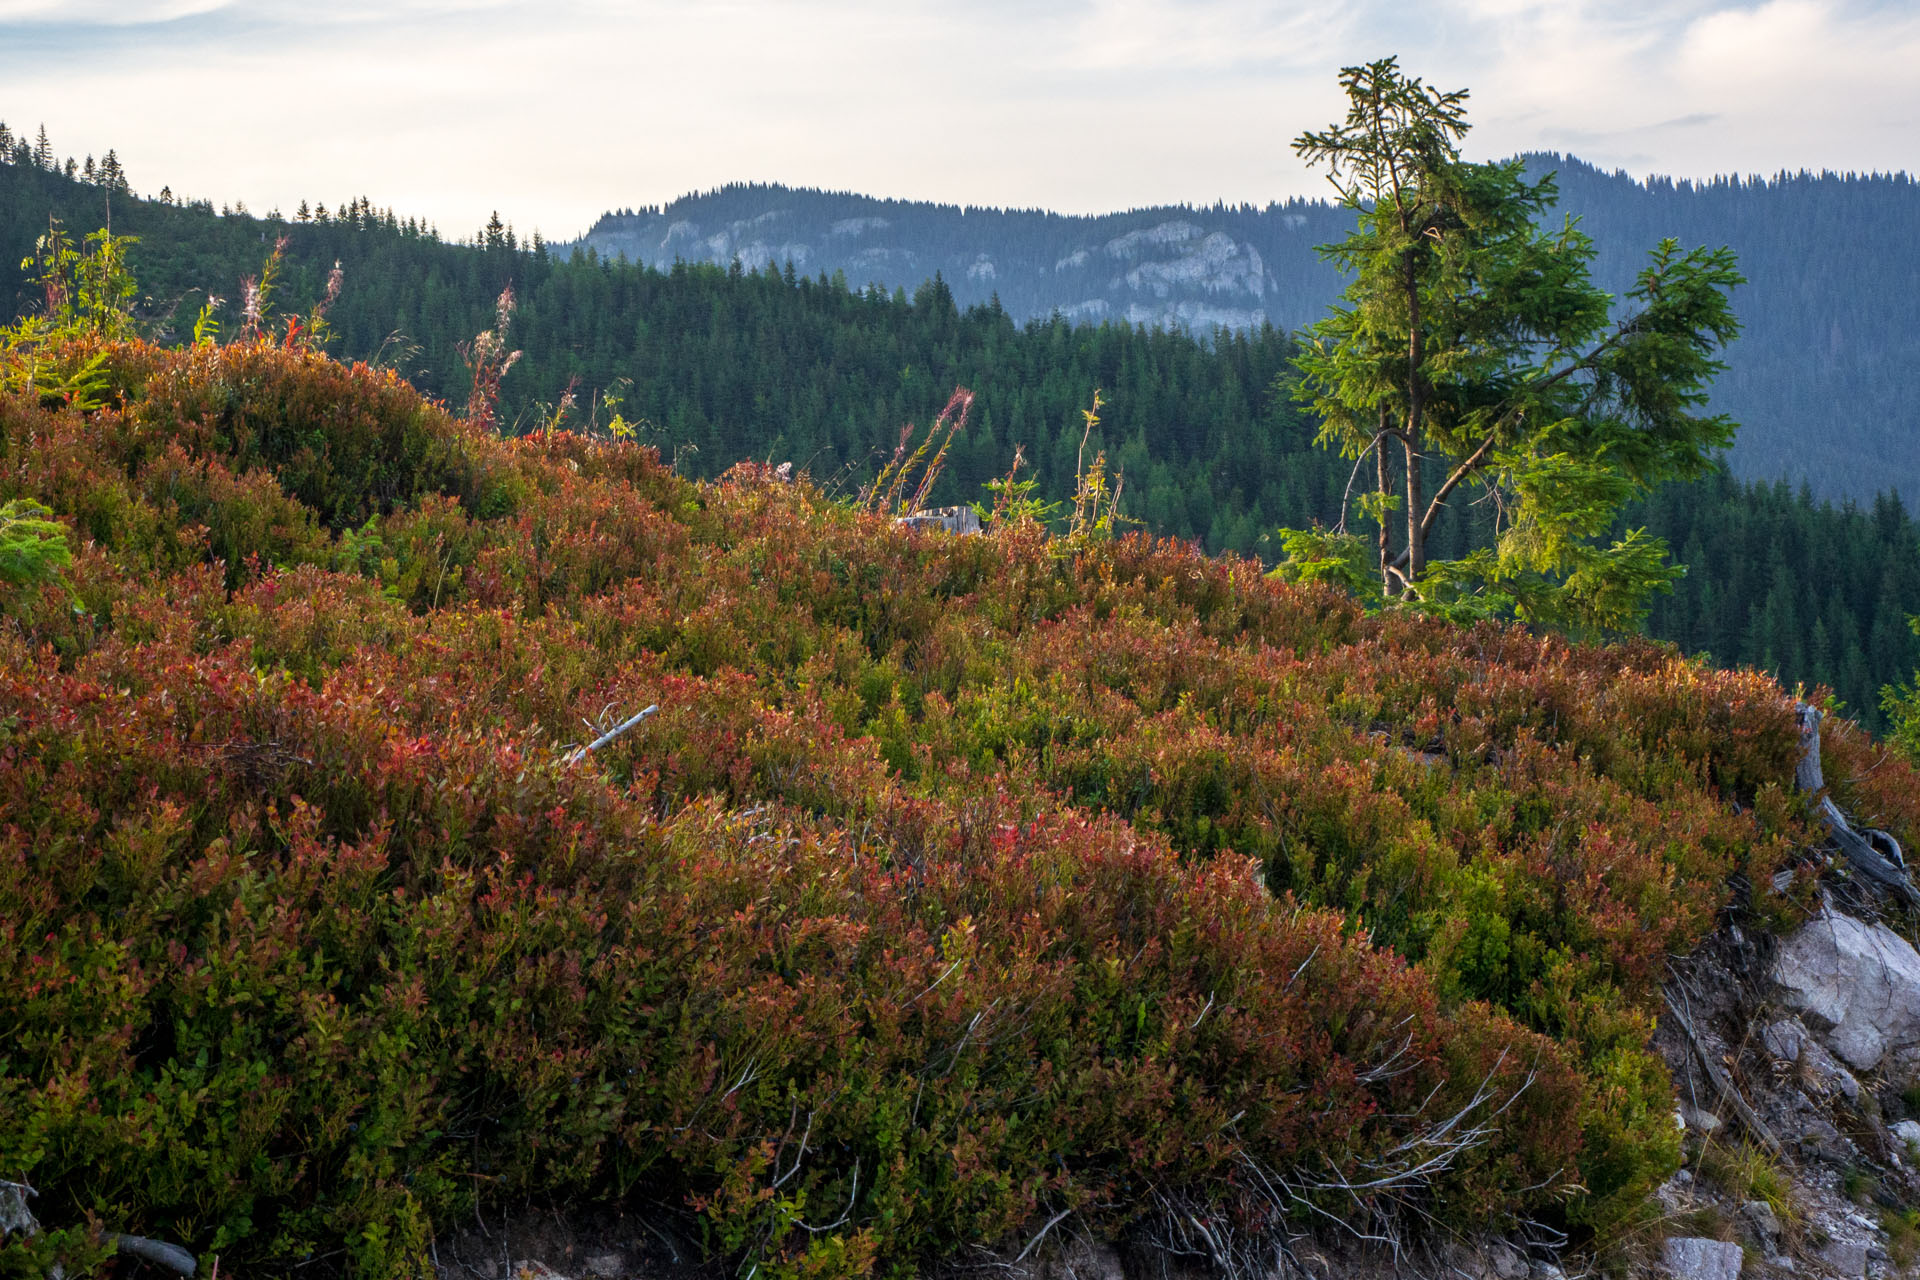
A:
[611,734]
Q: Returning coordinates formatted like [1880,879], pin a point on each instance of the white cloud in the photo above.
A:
[1151,36]
[554,111]
[1708,88]
[110,13]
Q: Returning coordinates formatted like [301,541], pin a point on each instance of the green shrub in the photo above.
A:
[33,549]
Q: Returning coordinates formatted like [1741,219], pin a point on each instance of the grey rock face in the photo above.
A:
[1859,983]
[1508,1262]
[1908,1132]
[1760,1217]
[1846,1257]
[1700,1258]
[1785,1039]
[1788,1040]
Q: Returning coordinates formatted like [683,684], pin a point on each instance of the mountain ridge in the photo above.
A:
[1827,328]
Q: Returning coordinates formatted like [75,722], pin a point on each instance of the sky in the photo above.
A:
[553,112]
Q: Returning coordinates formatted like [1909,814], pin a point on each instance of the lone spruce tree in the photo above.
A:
[1472,357]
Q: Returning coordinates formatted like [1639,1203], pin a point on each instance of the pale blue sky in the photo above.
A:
[553,112]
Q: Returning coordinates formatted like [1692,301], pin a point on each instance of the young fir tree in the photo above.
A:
[1473,352]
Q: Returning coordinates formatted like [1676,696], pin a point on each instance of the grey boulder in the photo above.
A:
[1702,1258]
[1845,1257]
[1858,982]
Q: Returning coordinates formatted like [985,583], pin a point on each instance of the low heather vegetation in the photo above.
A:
[959,882]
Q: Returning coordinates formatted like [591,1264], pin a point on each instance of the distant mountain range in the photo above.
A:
[1819,380]
[1226,266]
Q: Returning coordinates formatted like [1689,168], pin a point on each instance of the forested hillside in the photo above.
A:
[721,364]
[1817,379]
[1831,322]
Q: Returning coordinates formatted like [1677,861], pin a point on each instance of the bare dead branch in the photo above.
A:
[610,735]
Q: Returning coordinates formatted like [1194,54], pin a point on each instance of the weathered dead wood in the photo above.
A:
[601,741]
[14,1214]
[1874,854]
[15,1217]
[158,1252]
[1717,1076]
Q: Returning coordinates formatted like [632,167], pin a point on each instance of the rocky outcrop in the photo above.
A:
[1857,983]
[1702,1258]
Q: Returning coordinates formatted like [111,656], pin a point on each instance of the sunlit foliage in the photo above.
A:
[958,882]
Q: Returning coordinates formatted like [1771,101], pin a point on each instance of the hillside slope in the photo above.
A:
[957,883]
[716,364]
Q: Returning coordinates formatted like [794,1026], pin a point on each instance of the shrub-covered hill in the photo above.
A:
[958,883]
[777,366]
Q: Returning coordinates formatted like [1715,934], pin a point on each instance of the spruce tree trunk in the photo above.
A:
[1416,503]
[1416,406]
[1386,525]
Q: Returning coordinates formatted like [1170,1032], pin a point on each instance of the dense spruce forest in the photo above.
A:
[721,363]
[1831,327]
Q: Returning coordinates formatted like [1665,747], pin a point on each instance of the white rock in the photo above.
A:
[1908,1131]
[534,1269]
[1700,1258]
[1859,982]
[608,1266]
[1847,1257]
